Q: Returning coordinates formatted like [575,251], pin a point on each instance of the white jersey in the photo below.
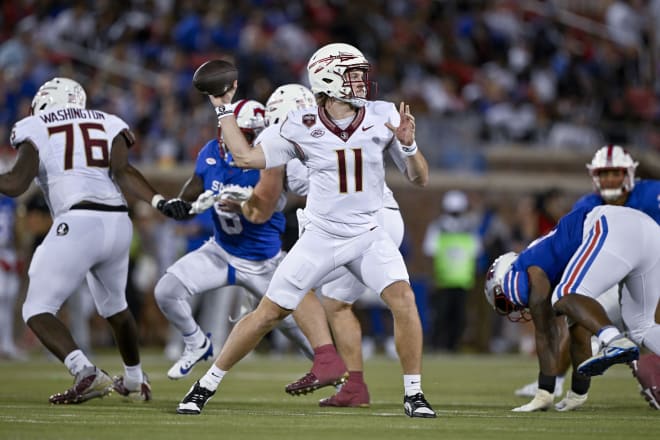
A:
[74,147]
[346,166]
[297,182]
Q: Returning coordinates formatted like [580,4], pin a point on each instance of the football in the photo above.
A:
[215,77]
[647,372]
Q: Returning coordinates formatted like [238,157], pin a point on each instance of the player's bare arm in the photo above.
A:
[193,187]
[417,169]
[547,326]
[17,180]
[244,155]
[262,203]
[129,179]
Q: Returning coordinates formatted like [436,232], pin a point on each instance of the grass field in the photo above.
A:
[473,396]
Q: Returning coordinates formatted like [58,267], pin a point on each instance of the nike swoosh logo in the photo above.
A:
[184,370]
[366,128]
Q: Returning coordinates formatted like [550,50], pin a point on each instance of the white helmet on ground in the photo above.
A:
[285,99]
[612,157]
[494,288]
[250,117]
[59,92]
[327,70]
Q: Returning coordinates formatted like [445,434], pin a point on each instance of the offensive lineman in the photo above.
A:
[79,158]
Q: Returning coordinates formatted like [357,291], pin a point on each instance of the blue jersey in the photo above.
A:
[645,197]
[551,253]
[233,232]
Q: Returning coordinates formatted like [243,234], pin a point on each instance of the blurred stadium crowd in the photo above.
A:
[557,74]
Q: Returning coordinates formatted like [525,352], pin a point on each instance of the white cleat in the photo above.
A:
[620,350]
[189,358]
[571,401]
[542,401]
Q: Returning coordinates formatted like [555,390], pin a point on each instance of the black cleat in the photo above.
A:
[194,401]
[417,406]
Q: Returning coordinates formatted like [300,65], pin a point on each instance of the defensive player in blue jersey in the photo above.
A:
[240,252]
[612,170]
[590,250]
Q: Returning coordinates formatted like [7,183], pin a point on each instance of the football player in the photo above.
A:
[341,143]
[79,158]
[243,251]
[563,272]
[342,289]
[612,170]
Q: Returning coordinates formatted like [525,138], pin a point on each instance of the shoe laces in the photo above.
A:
[199,395]
[418,400]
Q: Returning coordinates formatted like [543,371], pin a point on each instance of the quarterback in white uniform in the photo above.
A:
[340,289]
[79,158]
[342,144]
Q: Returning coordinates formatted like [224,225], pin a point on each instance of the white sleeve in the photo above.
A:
[29,129]
[277,150]
[297,177]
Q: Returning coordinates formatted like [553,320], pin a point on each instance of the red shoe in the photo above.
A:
[352,394]
[328,369]
[310,383]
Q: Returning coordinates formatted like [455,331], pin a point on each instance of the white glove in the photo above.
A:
[235,192]
[542,401]
[571,401]
[203,202]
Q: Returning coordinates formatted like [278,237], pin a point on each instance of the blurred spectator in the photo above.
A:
[453,242]
[507,63]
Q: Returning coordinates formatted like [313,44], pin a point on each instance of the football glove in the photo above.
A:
[174,208]
[542,401]
[235,192]
[571,401]
[203,202]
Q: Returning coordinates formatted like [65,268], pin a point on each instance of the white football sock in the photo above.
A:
[76,361]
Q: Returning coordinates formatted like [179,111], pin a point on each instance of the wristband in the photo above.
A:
[409,150]
[224,110]
[156,199]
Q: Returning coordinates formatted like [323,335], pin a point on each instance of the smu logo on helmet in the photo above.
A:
[309,120]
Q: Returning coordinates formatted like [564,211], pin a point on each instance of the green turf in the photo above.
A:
[473,396]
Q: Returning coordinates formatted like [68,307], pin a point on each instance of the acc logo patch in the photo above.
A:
[210,161]
[309,120]
[62,229]
[318,132]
